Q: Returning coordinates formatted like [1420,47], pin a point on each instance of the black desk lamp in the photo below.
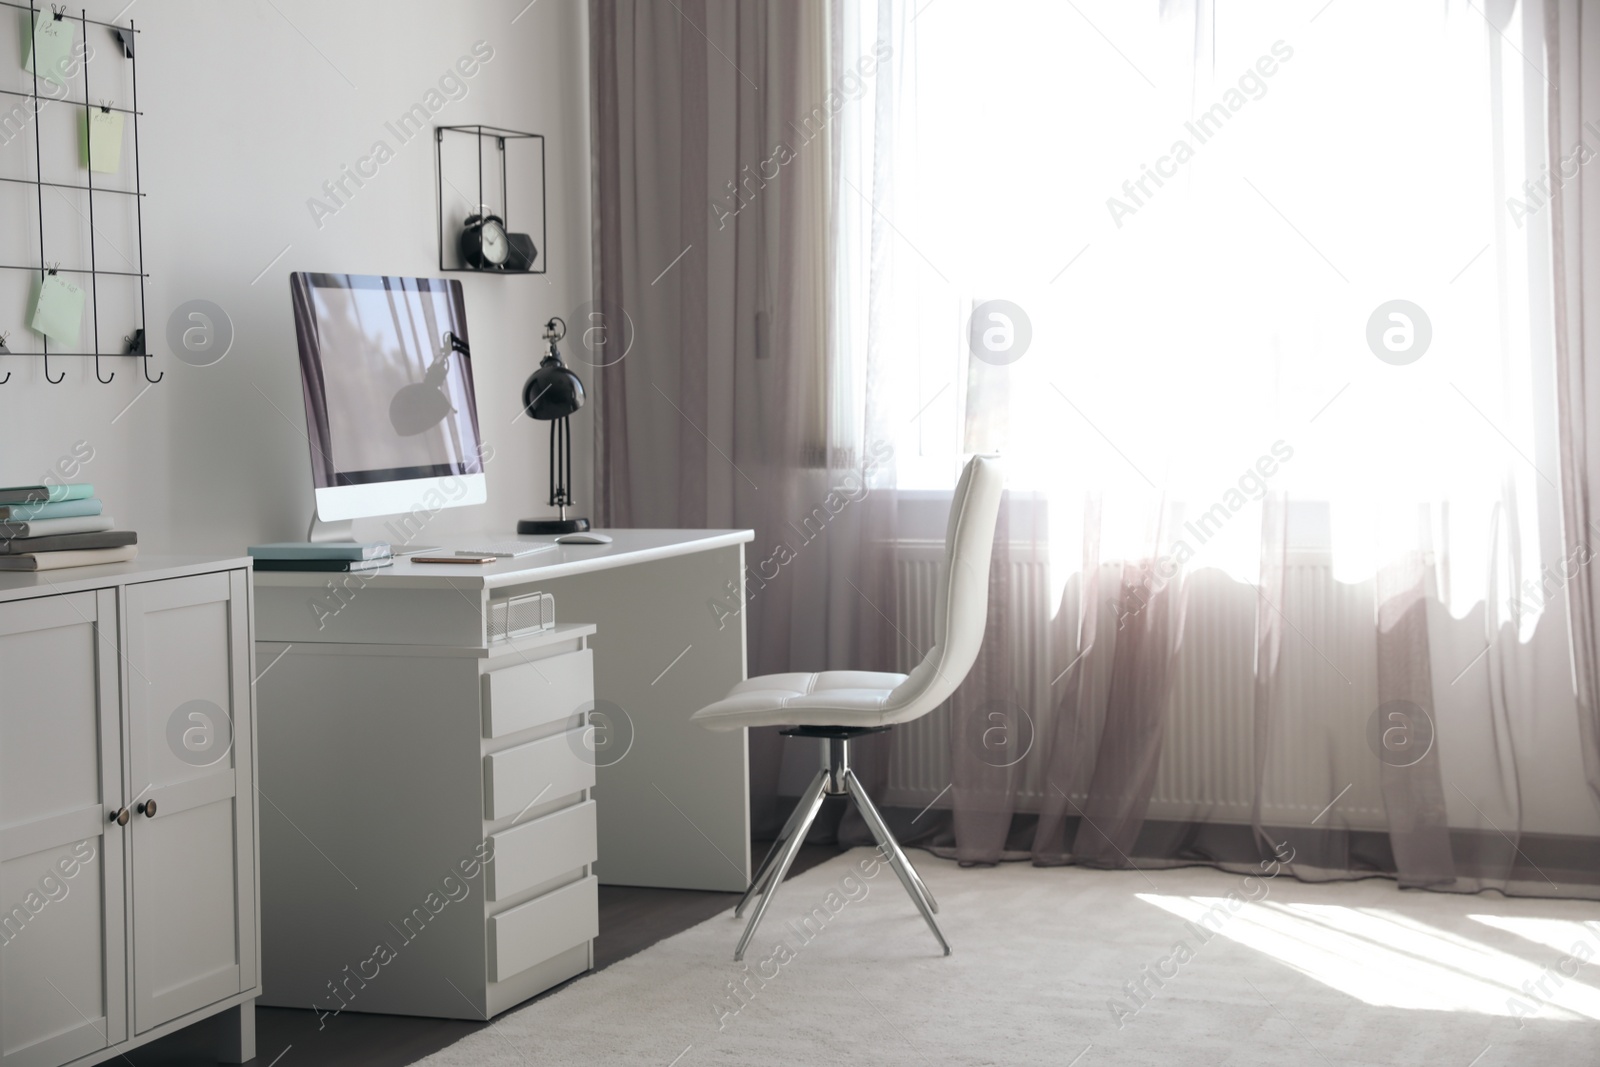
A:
[552,394]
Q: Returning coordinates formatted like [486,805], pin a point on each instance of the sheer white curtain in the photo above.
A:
[1181,328]
[1231,288]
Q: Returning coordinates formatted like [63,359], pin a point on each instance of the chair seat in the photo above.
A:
[825,698]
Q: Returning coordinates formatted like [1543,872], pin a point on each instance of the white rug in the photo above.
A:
[1353,973]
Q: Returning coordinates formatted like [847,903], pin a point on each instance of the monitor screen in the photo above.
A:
[388,398]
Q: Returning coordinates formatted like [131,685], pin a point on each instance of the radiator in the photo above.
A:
[1315,748]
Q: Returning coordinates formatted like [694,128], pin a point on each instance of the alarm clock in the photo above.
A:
[483,242]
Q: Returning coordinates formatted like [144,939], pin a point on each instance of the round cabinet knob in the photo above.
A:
[120,816]
[147,808]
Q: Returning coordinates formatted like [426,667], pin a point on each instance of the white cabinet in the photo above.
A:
[127,828]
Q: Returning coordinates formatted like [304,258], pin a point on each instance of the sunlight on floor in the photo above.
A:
[1581,940]
[1387,959]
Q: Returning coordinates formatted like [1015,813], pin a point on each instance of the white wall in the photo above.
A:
[249,108]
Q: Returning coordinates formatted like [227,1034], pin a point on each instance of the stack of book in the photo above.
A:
[322,556]
[47,527]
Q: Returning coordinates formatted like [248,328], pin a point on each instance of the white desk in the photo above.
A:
[401,657]
[674,812]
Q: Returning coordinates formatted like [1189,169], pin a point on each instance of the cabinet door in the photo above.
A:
[190,755]
[63,970]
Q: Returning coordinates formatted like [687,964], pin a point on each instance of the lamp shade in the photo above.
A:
[553,391]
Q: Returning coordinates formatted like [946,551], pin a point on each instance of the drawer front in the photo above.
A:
[531,933]
[539,850]
[537,772]
[540,691]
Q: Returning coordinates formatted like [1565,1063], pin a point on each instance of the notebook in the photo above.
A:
[50,561]
[38,494]
[61,509]
[327,550]
[323,564]
[48,527]
[18,546]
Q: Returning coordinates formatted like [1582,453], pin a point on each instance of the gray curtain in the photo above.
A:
[711,161]
[1573,63]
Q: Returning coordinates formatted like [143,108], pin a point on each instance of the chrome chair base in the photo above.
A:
[834,779]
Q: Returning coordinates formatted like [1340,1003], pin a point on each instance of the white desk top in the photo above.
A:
[627,547]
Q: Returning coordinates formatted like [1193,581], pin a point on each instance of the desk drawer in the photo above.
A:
[542,770]
[536,692]
[531,933]
[541,849]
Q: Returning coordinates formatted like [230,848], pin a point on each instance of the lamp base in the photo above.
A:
[552,526]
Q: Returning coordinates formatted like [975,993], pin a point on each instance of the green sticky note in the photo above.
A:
[50,44]
[59,311]
[100,140]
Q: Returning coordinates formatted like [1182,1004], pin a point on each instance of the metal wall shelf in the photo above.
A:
[499,137]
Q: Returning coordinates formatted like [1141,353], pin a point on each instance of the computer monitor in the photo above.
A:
[390,413]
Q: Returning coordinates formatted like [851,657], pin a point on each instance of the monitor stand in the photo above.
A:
[321,533]
[343,531]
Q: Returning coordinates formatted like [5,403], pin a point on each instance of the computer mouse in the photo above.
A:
[589,538]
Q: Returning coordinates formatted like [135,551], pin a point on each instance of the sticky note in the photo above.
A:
[59,311]
[100,143]
[50,44]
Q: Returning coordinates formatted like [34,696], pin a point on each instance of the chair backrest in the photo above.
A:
[961,611]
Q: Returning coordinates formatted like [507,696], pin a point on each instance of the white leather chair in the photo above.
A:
[838,706]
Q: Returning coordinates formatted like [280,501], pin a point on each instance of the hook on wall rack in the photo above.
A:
[125,35]
[136,347]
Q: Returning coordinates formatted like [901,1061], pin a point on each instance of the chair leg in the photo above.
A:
[897,860]
[874,819]
[791,849]
[817,784]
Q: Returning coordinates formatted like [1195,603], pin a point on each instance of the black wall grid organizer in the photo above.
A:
[134,344]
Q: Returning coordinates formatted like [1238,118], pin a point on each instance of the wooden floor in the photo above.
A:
[631,920]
